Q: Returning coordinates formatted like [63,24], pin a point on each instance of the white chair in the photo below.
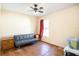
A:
[70,52]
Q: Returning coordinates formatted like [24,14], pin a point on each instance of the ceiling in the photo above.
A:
[25,7]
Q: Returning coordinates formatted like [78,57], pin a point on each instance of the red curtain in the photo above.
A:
[41,28]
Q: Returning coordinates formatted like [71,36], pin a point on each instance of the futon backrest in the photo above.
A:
[23,36]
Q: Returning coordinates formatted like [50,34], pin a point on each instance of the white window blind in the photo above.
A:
[46,28]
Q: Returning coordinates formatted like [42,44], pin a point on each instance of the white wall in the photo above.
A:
[13,23]
[63,24]
[0,18]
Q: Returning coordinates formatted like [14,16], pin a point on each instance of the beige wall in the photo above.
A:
[12,23]
[62,24]
[0,18]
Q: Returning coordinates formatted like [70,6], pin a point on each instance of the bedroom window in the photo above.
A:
[46,28]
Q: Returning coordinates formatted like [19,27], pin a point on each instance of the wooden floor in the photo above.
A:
[37,49]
